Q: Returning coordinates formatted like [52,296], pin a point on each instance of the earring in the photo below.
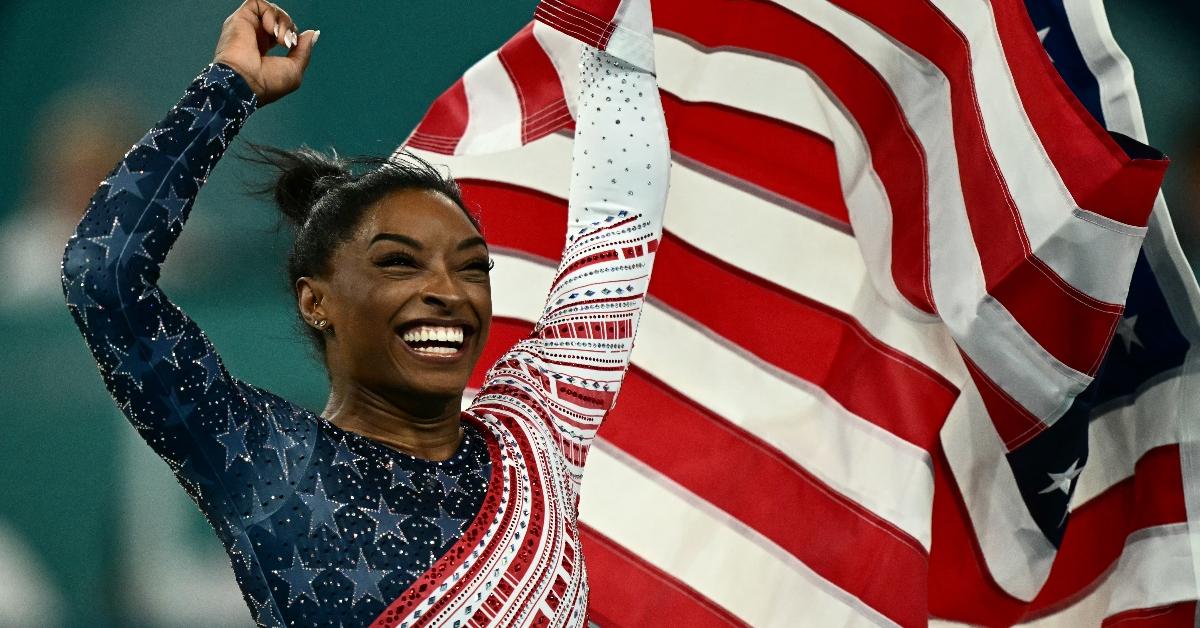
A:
[322,323]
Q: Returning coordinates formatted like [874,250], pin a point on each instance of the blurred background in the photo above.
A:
[93,529]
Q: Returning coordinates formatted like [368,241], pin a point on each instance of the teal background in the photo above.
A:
[116,542]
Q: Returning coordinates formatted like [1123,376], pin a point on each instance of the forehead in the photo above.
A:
[422,214]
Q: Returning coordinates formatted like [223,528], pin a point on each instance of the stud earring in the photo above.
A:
[322,323]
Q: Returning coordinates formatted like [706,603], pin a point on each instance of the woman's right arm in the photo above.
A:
[158,365]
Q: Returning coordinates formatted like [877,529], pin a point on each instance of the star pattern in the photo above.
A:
[173,204]
[343,456]
[299,578]
[123,180]
[78,297]
[211,365]
[323,528]
[233,440]
[322,509]
[364,579]
[1063,481]
[387,522]
[120,240]
[450,527]
[449,482]
[162,345]
[150,139]
[1127,332]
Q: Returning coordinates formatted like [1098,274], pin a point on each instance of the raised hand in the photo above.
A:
[251,31]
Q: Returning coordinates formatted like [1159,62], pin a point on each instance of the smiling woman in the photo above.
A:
[392,507]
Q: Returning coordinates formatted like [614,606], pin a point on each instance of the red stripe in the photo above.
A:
[961,588]
[833,535]
[589,21]
[1069,324]
[628,591]
[1097,531]
[1099,174]
[779,157]
[458,553]
[1173,616]
[444,124]
[1015,425]
[834,351]
[897,156]
[539,90]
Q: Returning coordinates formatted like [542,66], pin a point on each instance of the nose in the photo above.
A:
[442,291]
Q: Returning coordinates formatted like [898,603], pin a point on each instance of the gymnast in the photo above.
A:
[393,506]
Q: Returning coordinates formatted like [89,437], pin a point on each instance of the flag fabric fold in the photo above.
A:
[919,342]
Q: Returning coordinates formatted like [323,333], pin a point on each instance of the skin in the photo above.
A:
[380,388]
[433,267]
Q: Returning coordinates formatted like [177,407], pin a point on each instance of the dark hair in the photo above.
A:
[323,196]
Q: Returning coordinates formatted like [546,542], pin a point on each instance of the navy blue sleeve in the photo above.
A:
[156,362]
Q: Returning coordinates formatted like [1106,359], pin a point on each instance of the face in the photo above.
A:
[409,299]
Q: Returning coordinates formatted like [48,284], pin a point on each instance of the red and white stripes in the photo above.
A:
[896,250]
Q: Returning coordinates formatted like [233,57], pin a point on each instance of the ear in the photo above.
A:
[310,295]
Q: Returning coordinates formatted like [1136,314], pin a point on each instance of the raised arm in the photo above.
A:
[578,352]
[156,362]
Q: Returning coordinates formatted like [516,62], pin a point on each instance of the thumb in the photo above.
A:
[302,51]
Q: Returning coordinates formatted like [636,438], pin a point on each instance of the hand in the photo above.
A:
[247,35]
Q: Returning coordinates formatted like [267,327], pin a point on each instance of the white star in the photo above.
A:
[1042,38]
[1062,481]
[1127,331]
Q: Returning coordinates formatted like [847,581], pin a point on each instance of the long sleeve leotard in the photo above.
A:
[326,527]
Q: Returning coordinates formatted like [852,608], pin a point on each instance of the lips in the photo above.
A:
[440,340]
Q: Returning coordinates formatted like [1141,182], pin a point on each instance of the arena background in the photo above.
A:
[93,529]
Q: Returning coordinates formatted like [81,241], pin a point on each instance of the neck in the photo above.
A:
[422,427]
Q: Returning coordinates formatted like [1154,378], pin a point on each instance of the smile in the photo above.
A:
[435,341]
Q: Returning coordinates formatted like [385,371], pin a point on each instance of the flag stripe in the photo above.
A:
[1082,248]
[868,378]
[831,534]
[819,443]
[895,152]
[443,126]
[543,107]
[722,220]
[628,591]
[793,163]
[721,559]
[494,110]
[988,334]
[1092,165]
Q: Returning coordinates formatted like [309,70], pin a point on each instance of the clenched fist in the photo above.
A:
[247,35]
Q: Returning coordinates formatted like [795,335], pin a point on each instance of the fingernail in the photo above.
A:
[276,31]
[316,35]
[293,38]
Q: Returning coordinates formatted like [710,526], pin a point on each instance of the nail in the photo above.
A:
[276,31]
[316,34]
[291,39]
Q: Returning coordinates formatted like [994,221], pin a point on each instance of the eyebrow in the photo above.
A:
[403,239]
[396,237]
[470,242]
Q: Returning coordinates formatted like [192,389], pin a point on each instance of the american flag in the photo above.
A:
[918,343]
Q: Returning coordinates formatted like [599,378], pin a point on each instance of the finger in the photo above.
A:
[286,33]
[302,51]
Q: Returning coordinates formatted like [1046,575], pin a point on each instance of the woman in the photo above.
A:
[393,507]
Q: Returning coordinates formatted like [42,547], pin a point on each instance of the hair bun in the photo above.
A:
[303,176]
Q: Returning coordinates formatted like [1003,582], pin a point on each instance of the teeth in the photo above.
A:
[428,333]
[436,350]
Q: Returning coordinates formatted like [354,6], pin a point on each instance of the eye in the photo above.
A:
[484,265]
[397,259]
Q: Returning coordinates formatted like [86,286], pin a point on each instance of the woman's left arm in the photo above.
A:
[576,357]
